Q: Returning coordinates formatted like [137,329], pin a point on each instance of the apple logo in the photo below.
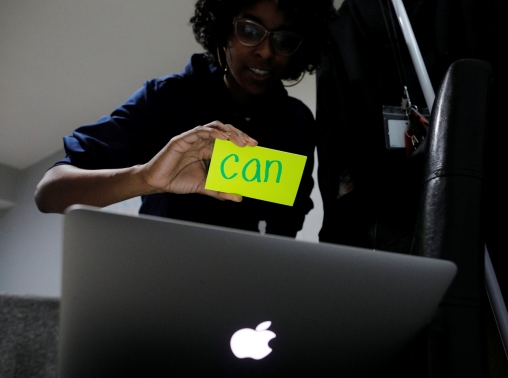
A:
[252,343]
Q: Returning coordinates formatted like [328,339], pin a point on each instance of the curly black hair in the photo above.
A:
[213,19]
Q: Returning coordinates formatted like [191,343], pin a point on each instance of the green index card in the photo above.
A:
[255,172]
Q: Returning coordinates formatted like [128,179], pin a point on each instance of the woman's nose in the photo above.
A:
[265,49]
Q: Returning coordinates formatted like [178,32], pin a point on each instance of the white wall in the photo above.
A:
[67,62]
[8,185]
[306,91]
[30,242]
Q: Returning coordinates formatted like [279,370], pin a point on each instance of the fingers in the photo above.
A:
[222,196]
[200,133]
[217,130]
[229,132]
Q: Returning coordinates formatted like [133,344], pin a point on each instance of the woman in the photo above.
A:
[251,45]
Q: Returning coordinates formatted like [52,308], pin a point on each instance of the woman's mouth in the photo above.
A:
[259,71]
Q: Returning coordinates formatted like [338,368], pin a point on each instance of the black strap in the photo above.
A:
[393,34]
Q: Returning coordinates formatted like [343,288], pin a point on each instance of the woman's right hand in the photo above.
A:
[182,165]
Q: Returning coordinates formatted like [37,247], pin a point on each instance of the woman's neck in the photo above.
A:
[247,103]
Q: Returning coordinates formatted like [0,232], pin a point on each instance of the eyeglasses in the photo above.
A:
[250,33]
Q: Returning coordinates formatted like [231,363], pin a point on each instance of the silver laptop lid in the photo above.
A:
[146,296]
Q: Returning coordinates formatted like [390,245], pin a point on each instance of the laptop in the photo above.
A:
[151,297]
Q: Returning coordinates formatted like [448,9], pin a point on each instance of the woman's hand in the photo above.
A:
[182,165]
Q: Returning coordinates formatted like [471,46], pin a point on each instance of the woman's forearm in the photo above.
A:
[66,185]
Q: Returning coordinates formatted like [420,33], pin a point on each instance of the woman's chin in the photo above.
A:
[259,87]
[252,86]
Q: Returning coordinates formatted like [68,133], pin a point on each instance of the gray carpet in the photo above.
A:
[28,336]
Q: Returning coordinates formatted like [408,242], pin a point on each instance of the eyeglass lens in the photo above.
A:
[251,34]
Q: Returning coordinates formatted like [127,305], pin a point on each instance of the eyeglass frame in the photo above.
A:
[267,33]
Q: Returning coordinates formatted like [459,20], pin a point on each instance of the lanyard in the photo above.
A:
[417,125]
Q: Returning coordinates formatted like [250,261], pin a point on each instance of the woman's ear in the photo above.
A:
[221,57]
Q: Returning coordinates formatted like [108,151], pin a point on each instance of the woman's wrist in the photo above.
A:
[140,176]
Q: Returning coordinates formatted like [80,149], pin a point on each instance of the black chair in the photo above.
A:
[450,224]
